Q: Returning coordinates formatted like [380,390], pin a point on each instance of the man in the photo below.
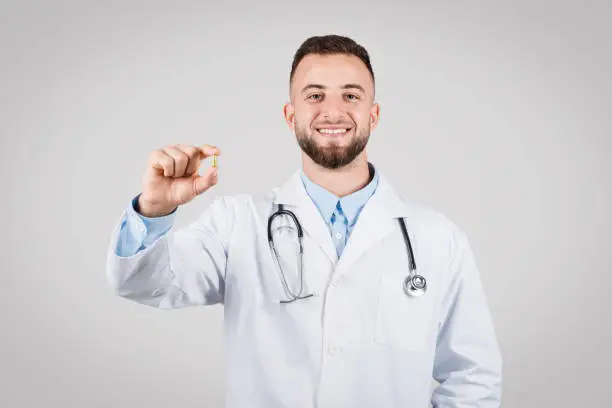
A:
[348,332]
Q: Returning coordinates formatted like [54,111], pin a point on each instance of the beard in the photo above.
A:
[332,156]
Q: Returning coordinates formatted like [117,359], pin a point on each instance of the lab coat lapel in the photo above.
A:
[378,218]
[295,198]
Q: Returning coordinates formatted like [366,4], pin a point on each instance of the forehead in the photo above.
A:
[332,71]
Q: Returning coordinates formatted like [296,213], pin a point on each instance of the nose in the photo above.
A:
[332,111]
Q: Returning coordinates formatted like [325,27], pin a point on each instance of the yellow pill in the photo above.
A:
[214,160]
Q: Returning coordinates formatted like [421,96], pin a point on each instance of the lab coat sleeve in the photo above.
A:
[176,268]
[468,363]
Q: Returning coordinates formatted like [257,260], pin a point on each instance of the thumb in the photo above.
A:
[205,181]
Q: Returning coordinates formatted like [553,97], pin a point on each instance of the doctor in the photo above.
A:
[376,311]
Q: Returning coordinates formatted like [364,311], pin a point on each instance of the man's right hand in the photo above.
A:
[171,178]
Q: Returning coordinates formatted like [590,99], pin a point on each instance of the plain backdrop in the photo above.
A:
[497,114]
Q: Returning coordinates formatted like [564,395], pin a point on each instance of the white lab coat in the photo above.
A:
[360,342]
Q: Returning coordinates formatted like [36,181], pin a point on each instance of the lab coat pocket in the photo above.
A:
[401,320]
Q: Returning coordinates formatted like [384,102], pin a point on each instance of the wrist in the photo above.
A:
[152,209]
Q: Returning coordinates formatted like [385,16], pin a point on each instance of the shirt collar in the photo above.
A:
[323,199]
[351,204]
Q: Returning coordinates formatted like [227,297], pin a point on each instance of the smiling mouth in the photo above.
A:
[333,132]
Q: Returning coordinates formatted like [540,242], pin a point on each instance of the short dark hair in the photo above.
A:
[327,45]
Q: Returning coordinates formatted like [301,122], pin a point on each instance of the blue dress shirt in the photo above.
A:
[138,232]
[340,214]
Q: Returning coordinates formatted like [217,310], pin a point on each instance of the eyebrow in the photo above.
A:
[346,86]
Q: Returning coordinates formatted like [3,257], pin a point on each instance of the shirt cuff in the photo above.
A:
[151,227]
[139,232]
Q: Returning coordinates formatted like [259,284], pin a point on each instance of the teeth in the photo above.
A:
[332,131]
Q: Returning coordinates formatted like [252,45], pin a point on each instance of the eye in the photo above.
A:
[314,97]
[352,97]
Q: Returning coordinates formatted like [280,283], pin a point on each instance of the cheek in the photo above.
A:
[361,117]
[304,117]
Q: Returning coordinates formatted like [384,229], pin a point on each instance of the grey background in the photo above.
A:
[496,114]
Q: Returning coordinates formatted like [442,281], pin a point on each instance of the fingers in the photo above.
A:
[161,162]
[208,150]
[205,181]
[181,160]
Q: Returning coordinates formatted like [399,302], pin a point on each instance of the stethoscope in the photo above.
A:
[414,284]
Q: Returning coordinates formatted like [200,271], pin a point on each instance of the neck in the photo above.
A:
[342,181]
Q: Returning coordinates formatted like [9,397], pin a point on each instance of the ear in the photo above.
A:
[374,116]
[289,112]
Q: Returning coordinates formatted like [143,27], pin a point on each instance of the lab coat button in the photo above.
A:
[333,349]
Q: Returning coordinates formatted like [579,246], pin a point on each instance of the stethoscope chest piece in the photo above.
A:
[415,285]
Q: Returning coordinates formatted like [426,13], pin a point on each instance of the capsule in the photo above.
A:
[214,160]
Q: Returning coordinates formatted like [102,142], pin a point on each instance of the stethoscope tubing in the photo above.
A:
[414,284]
